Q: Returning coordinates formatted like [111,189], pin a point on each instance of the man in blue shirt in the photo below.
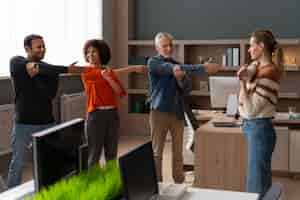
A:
[168,85]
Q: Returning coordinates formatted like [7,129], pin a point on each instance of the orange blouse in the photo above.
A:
[98,91]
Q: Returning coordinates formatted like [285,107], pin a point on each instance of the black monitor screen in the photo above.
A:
[138,173]
[56,152]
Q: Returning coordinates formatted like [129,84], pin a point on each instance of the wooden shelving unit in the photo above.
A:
[188,51]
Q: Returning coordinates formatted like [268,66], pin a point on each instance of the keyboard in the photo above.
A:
[227,124]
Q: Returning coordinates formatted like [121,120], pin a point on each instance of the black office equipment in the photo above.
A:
[226,124]
[138,173]
[139,178]
[59,152]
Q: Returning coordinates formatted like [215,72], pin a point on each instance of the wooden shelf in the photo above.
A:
[282,41]
[199,93]
[147,42]
[137,91]
[4,107]
[5,151]
[134,114]
[291,68]
[191,42]
[212,42]
[289,95]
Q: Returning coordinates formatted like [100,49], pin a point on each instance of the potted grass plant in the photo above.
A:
[98,183]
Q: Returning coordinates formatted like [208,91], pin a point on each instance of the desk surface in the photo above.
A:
[19,192]
[191,194]
[209,194]
[210,128]
[281,119]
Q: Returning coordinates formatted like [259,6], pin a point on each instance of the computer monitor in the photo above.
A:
[138,173]
[220,88]
[59,152]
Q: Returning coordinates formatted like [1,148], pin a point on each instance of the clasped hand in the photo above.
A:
[32,69]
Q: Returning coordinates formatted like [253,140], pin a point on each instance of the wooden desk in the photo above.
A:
[192,193]
[220,160]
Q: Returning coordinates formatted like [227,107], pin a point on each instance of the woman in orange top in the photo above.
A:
[102,88]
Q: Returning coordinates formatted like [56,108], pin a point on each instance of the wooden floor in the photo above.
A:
[291,185]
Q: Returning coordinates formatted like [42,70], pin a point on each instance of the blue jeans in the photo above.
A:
[2,185]
[21,141]
[261,143]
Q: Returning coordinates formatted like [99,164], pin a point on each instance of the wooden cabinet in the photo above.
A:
[220,158]
[280,157]
[294,151]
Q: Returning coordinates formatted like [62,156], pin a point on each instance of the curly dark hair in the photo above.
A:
[101,46]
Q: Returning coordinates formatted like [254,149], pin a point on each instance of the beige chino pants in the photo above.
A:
[160,124]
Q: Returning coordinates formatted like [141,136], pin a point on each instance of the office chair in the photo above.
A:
[273,193]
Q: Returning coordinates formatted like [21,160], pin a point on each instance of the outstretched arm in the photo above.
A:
[209,68]
[34,68]
[130,69]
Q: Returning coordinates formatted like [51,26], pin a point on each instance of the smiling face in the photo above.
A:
[92,56]
[256,49]
[165,47]
[37,50]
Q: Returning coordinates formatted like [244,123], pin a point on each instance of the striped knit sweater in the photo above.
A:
[261,96]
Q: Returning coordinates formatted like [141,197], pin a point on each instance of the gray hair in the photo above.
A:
[161,35]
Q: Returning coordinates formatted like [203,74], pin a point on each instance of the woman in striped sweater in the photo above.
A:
[258,99]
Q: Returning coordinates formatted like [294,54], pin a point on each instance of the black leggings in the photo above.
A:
[103,131]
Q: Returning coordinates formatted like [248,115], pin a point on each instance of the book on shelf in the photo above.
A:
[236,56]
[232,57]
[224,60]
[229,57]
